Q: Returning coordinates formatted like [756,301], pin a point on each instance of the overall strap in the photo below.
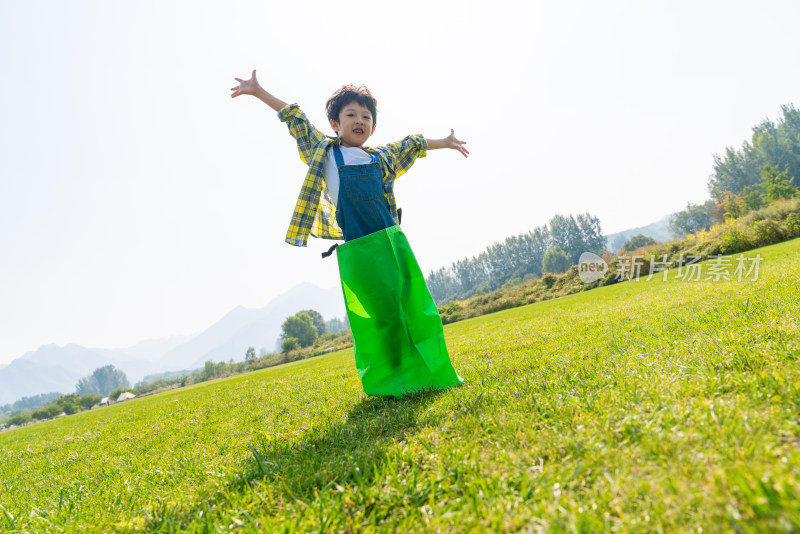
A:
[330,251]
[337,154]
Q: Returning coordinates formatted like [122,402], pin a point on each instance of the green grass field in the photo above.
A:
[643,406]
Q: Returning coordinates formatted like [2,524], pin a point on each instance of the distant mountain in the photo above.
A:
[24,378]
[154,349]
[241,328]
[658,230]
[55,368]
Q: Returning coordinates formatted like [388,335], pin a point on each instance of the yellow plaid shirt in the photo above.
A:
[315,212]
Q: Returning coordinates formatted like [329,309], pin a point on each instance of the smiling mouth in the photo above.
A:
[358,131]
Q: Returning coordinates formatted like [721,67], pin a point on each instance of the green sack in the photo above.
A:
[397,332]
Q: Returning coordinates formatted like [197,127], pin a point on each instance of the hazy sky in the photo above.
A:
[138,200]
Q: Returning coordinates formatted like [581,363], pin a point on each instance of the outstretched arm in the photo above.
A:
[251,87]
[448,142]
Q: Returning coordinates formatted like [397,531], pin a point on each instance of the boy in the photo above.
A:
[348,194]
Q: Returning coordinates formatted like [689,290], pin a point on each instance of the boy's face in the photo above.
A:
[354,125]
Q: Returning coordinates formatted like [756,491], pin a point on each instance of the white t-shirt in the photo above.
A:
[351,156]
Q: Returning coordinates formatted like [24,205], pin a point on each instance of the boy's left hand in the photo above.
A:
[448,142]
[454,143]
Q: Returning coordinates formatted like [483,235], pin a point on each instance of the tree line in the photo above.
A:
[547,248]
[306,326]
[762,171]
[104,381]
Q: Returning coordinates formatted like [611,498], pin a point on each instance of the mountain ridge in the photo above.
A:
[58,368]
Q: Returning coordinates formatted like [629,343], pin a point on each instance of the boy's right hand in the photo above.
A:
[251,87]
[245,87]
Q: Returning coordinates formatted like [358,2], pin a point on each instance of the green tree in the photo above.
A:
[576,235]
[87,401]
[19,419]
[591,234]
[441,283]
[566,235]
[29,402]
[336,325]
[317,319]
[299,326]
[102,381]
[694,218]
[213,370]
[751,196]
[777,144]
[250,355]
[70,403]
[47,412]
[556,260]
[777,185]
[639,240]
[86,386]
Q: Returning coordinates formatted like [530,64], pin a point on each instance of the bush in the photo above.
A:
[637,241]
[511,283]
[793,225]
[733,241]
[19,419]
[87,401]
[70,409]
[766,233]
[777,211]
[289,344]
[548,280]
[70,403]
[502,304]
[47,412]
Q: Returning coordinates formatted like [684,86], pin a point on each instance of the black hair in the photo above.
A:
[351,93]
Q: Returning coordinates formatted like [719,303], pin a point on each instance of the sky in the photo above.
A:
[139,201]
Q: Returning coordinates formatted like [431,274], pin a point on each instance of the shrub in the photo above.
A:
[70,409]
[766,233]
[793,225]
[511,283]
[502,304]
[290,344]
[548,280]
[19,419]
[637,241]
[452,307]
[734,240]
[732,206]
[47,412]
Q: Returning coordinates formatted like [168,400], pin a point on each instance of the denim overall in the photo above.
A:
[398,340]
[362,208]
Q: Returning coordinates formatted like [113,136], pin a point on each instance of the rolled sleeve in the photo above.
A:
[405,152]
[306,135]
[289,110]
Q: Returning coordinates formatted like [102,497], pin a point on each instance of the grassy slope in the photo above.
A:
[641,406]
